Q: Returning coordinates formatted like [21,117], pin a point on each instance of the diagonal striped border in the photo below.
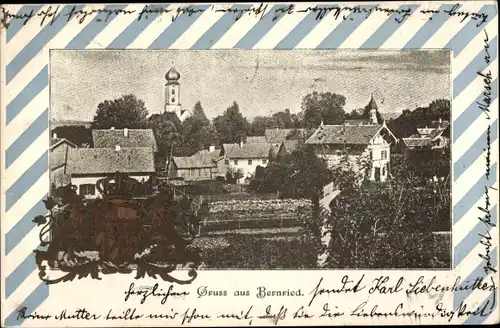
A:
[26,112]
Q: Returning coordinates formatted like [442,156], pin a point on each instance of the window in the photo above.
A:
[371,155]
[249,162]
[383,170]
[264,161]
[173,91]
[235,162]
[173,100]
[87,189]
[384,154]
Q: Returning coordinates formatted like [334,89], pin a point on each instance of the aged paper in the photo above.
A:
[249,164]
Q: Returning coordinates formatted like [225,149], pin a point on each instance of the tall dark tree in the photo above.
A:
[197,131]
[231,126]
[124,112]
[167,129]
[325,106]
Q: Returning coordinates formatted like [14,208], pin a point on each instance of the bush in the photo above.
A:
[389,226]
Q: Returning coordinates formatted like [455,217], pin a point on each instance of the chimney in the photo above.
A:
[54,135]
[112,128]
[211,148]
[125,132]
[118,148]
[241,143]
[440,121]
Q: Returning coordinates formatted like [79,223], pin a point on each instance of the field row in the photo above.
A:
[260,205]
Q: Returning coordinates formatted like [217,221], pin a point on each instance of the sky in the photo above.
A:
[262,82]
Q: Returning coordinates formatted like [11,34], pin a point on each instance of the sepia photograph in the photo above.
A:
[249,159]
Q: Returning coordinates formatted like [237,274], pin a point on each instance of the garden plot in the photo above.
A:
[255,214]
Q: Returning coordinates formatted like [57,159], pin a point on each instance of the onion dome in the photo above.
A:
[372,104]
[172,75]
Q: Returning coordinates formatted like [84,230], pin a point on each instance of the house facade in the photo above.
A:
[367,147]
[246,157]
[437,135]
[59,148]
[86,166]
[204,165]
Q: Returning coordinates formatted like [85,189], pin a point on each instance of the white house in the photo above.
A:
[370,143]
[246,157]
[85,166]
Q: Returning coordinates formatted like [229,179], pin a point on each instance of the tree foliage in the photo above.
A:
[124,112]
[300,174]
[325,106]
[77,134]
[392,224]
[167,130]
[231,126]
[198,132]
[408,122]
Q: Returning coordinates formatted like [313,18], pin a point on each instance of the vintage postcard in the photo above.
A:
[236,164]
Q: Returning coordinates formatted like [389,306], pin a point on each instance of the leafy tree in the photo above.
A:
[408,122]
[326,106]
[260,124]
[280,120]
[283,120]
[167,130]
[231,126]
[198,132]
[77,134]
[124,112]
[300,174]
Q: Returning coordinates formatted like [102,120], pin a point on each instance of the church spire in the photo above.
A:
[373,110]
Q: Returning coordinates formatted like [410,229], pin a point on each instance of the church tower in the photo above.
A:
[373,111]
[172,92]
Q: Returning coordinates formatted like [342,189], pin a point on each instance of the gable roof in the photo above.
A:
[100,161]
[137,138]
[249,150]
[417,142]
[202,159]
[256,139]
[345,134]
[357,121]
[289,145]
[54,142]
[278,135]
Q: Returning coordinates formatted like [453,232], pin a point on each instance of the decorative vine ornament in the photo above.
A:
[132,227]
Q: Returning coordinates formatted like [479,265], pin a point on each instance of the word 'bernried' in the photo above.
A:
[261,292]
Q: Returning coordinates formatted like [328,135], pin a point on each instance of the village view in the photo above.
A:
[320,188]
